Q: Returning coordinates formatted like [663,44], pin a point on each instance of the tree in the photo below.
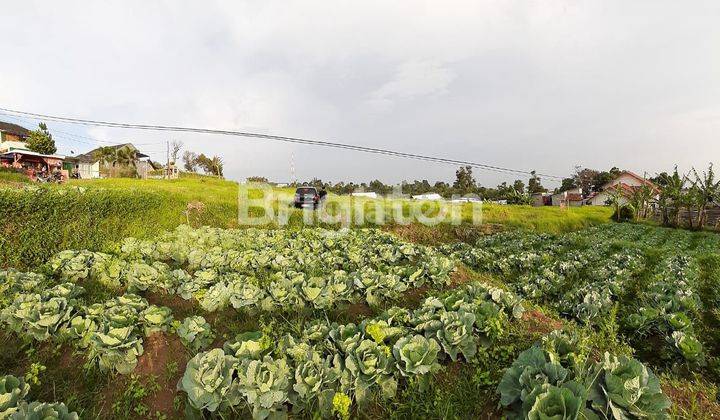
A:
[175,148]
[212,166]
[707,190]
[586,179]
[566,184]
[378,187]
[125,157]
[519,186]
[190,160]
[670,197]
[534,184]
[640,200]
[464,180]
[105,155]
[217,166]
[616,198]
[41,141]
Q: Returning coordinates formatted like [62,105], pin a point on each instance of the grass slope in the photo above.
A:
[96,214]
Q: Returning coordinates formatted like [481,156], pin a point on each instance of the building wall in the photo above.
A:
[11,142]
[89,170]
[626,179]
[558,199]
[602,197]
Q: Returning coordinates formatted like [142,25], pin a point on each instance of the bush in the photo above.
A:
[626,214]
[37,222]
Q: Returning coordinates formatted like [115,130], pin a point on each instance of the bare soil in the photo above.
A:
[161,350]
[692,403]
[537,322]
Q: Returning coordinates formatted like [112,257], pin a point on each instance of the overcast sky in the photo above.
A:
[539,85]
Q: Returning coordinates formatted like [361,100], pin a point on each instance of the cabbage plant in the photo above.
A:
[195,333]
[116,349]
[208,381]
[416,355]
[265,383]
[371,364]
[42,411]
[248,345]
[12,391]
[156,319]
[456,335]
[625,388]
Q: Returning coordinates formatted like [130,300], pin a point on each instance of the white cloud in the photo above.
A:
[413,79]
[542,85]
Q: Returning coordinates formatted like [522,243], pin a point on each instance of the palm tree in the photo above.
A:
[217,165]
[105,155]
[126,157]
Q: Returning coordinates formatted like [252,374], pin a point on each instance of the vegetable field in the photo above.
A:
[614,321]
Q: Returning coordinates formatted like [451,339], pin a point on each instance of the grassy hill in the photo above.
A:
[96,214]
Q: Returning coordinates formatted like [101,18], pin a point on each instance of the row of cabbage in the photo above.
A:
[15,406]
[557,380]
[110,332]
[327,367]
[585,275]
[263,269]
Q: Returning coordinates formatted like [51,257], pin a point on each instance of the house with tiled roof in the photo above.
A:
[570,198]
[627,182]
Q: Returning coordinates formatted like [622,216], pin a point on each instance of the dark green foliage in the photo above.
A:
[626,214]
[38,223]
[41,141]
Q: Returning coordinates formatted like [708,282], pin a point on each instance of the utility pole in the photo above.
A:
[167,166]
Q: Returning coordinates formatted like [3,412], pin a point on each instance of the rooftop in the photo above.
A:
[18,130]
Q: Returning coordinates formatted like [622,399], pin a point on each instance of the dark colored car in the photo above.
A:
[306,197]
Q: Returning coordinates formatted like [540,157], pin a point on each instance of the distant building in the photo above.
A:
[627,182]
[12,137]
[89,163]
[14,152]
[570,198]
[429,196]
[541,199]
[365,194]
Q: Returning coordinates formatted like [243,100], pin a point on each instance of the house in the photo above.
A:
[429,196]
[365,194]
[627,182]
[90,163]
[14,152]
[570,198]
[541,199]
[23,159]
[84,166]
[12,136]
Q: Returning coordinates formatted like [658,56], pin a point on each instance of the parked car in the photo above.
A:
[306,197]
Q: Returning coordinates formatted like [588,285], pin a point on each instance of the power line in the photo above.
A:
[77,136]
[286,139]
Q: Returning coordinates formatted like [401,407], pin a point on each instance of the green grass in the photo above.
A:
[11,177]
[97,214]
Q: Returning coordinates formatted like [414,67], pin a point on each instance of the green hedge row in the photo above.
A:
[38,222]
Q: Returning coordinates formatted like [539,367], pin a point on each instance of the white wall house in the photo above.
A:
[430,196]
[364,194]
[627,181]
[572,197]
